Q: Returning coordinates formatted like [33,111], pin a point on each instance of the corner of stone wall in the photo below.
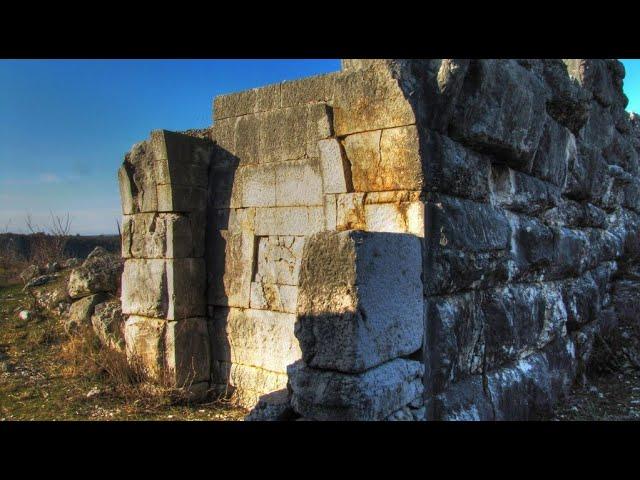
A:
[163,187]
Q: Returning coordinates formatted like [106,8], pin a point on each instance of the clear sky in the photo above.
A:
[66,125]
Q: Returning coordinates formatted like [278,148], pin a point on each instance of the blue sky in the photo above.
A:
[65,125]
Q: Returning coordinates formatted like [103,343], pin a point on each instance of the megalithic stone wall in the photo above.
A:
[519,180]
[163,185]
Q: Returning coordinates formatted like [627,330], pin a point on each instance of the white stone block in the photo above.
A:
[298,183]
[336,173]
[271,296]
[289,220]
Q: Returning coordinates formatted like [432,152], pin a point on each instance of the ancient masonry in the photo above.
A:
[424,239]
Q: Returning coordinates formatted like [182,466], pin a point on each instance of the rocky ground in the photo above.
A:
[38,381]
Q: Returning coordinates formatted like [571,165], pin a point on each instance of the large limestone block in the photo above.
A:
[522,193]
[235,104]
[187,351]
[368,396]
[556,150]
[254,186]
[181,159]
[258,338]
[370,99]
[137,180]
[144,339]
[298,183]
[81,311]
[98,273]
[247,139]
[171,289]
[336,171]
[395,218]
[283,134]
[350,211]
[501,110]
[308,90]
[164,235]
[229,268]
[246,384]
[360,300]
[454,169]
[270,296]
[289,220]
[279,259]
[385,159]
[181,198]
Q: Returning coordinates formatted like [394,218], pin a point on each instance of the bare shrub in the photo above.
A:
[84,356]
[48,242]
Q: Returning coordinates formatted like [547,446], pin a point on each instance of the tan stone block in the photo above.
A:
[395,218]
[330,212]
[180,198]
[224,135]
[396,196]
[258,338]
[278,259]
[319,127]
[269,97]
[139,173]
[247,383]
[186,351]
[126,193]
[289,220]
[369,99]
[230,265]
[336,171]
[255,186]
[235,104]
[247,139]
[125,237]
[271,296]
[180,159]
[308,90]
[186,281]
[298,183]
[385,160]
[350,211]
[144,288]
[283,134]
[144,339]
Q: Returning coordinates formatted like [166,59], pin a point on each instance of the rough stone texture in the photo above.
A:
[81,311]
[372,395]
[108,324]
[100,272]
[348,318]
[518,180]
[187,351]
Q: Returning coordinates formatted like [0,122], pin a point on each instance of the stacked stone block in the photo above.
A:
[163,184]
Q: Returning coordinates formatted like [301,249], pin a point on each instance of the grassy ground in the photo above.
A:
[38,383]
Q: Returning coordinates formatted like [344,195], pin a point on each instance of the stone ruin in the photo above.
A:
[402,239]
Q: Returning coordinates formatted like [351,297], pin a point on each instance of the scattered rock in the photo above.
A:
[81,311]
[30,273]
[41,280]
[100,272]
[108,323]
[275,406]
[25,315]
[71,263]
[94,392]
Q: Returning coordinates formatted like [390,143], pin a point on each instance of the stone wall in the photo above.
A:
[401,239]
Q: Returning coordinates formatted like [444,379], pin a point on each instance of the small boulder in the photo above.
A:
[30,273]
[274,406]
[108,324]
[81,311]
[25,315]
[39,281]
[100,272]
[71,263]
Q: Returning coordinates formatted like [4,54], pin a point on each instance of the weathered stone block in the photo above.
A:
[181,159]
[556,149]
[372,395]
[270,296]
[385,159]
[520,192]
[501,110]
[308,90]
[246,384]
[144,339]
[229,267]
[81,311]
[278,260]
[283,134]
[350,212]
[348,318]
[269,97]
[247,139]
[171,289]
[370,99]
[298,183]
[289,220]
[254,186]
[330,212]
[180,198]
[234,104]
[257,338]
[395,218]
[336,172]
[138,180]
[186,351]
